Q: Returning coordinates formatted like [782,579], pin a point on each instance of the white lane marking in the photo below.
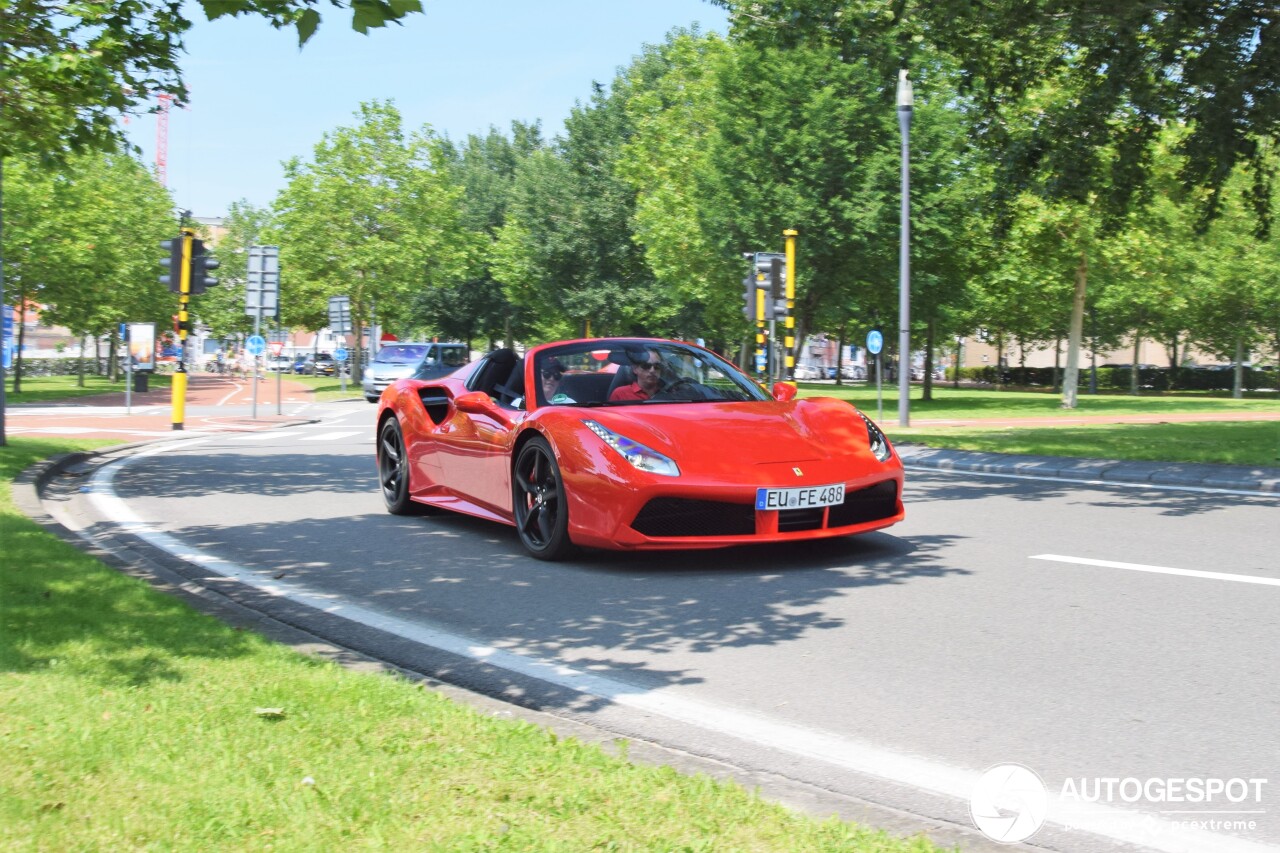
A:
[1117,484]
[847,753]
[329,436]
[1160,570]
[230,394]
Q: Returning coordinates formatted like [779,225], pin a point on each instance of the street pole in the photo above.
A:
[257,331]
[789,235]
[279,372]
[178,386]
[128,371]
[905,102]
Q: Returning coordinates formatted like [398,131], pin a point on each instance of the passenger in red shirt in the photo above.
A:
[648,375]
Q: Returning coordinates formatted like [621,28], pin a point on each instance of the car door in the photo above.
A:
[475,447]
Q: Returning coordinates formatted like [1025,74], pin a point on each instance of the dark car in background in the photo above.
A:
[317,364]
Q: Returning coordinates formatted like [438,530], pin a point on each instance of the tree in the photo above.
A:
[484,168]
[1069,97]
[566,253]
[83,241]
[67,74]
[373,217]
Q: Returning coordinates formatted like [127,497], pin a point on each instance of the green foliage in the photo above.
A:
[1069,98]
[82,238]
[68,73]
[462,308]
[565,254]
[373,217]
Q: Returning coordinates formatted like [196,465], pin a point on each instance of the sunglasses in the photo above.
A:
[551,374]
[646,365]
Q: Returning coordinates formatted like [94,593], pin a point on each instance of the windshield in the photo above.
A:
[401,354]
[629,372]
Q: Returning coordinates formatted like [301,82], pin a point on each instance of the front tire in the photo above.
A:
[538,499]
[393,470]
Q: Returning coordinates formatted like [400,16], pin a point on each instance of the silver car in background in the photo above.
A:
[398,360]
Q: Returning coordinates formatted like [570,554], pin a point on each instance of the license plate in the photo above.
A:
[804,497]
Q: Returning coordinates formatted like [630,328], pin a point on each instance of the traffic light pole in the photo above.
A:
[184,323]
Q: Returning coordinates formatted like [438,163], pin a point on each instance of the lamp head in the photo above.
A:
[906,98]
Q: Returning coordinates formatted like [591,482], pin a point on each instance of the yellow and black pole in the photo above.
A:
[760,335]
[184,324]
[790,334]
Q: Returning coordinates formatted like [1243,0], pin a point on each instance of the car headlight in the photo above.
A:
[636,453]
[879,444]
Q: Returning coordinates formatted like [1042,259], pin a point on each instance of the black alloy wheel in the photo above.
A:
[393,470]
[541,511]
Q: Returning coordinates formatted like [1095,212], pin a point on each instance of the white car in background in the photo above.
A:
[400,360]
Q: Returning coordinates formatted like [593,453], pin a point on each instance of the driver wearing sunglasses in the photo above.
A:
[648,374]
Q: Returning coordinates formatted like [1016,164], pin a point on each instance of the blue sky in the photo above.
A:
[257,100]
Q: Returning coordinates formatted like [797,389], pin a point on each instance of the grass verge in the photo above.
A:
[51,389]
[985,403]
[130,721]
[327,388]
[1254,443]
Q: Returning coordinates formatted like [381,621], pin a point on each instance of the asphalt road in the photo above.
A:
[1085,631]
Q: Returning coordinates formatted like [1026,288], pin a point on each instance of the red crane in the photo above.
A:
[162,137]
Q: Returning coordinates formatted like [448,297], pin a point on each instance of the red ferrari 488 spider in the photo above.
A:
[630,443]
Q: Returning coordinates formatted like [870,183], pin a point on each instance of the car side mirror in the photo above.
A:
[480,403]
[784,392]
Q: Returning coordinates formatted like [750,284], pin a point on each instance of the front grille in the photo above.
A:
[790,520]
[869,504]
[672,517]
[669,517]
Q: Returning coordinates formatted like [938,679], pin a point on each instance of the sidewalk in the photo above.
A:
[213,404]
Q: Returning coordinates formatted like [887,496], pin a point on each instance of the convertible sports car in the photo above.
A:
[629,443]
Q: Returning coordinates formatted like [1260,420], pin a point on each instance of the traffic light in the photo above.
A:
[172,265]
[778,286]
[771,277]
[749,293]
[201,264]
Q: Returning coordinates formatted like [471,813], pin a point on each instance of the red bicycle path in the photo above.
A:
[151,412]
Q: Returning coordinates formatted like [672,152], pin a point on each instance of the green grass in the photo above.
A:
[978,403]
[47,389]
[130,721]
[328,387]
[1254,443]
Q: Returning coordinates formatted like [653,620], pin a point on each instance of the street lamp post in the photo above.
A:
[905,102]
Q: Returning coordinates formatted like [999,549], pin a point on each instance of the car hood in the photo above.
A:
[714,437]
[383,370]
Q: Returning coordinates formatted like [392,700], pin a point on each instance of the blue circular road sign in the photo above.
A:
[875,342]
[256,345]
[340,354]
